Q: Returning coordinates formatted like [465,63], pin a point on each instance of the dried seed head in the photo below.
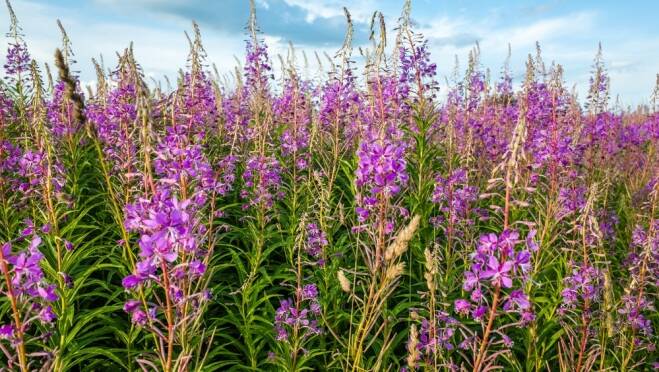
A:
[429,260]
[431,269]
[608,301]
[70,92]
[430,281]
[394,271]
[343,281]
[399,246]
[412,351]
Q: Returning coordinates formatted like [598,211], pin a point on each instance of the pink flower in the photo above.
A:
[500,273]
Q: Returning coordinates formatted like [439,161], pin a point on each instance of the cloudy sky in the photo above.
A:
[568,32]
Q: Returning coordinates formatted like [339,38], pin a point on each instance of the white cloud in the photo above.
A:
[160,51]
[570,40]
[360,11]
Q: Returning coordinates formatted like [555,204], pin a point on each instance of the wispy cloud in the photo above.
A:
[567,31]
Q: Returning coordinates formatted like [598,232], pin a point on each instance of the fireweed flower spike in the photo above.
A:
[292,108]
[296,320]
[114,122]
[172,261]
[635,327]
[172,230]
[17,63]
[30,297]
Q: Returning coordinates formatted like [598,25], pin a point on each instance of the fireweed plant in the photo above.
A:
[348,217]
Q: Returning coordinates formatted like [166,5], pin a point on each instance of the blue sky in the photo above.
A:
[568,32]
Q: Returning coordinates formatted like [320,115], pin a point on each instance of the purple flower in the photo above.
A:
[197,268]
[507,241]
[310,292]
[18,59]
[527,317]
[21,264]
[487,243]
[381,168]
[436,337]
[517,300]
[523,260]
[499,272]
[479,312]
[61,111]
[316,240]
[585,284]
[530,241]
[298,315]
[46,315]
[571,200]
[416,69]
[455,198]
[257,67]
[131,305]
[471,280]
[507,342]
[292,109]
[139,317]
[462,307]
[263,181]
[48,293]
[6,331]
[131,281]
[145,269]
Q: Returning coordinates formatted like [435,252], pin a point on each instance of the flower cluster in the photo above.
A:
[316,241]
[417,69]
[61,112]
[571,200]
[340,107]
[436,337]
[380,175]
[643,267]
[10,157]
[631,314]
[497,265]
[197,110]
[257,67]
[18,59]
[263,181]
[298,316]
[34,174]
[455,199]
[7,111]
[170,253]
[176,161]
[292,108]
[236,114]
[583,286]
[114,122]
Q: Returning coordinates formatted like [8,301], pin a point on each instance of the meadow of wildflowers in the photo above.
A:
[349,221]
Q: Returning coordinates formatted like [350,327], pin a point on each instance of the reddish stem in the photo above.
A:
[14,308]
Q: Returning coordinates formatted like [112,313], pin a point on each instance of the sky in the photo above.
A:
[568,33]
